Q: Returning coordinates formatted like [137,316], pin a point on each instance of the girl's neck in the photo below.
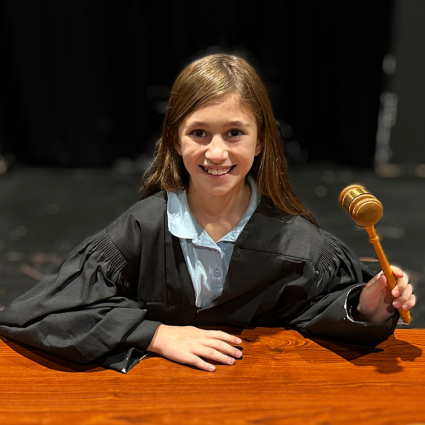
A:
[218,215]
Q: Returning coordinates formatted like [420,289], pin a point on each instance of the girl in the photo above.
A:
[218,240]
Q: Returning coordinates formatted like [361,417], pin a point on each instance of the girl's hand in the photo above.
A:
[377,303]
[187,344]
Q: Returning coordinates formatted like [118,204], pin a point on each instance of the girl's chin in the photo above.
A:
[220,189]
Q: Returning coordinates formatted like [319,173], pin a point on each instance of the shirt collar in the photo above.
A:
[182,224]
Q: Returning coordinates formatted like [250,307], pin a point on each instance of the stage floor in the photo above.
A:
[46,212]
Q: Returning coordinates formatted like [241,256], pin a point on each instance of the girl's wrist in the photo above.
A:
[154,346]
[378,316]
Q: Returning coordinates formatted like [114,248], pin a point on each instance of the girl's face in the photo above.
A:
[218,143]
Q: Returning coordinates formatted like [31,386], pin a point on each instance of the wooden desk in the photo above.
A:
[283,378]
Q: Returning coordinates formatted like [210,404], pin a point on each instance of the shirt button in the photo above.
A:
[217,272]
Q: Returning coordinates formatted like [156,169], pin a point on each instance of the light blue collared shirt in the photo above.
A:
[207,261]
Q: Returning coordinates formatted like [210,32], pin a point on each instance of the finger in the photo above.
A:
[376,284]
[374,279]
[405,296]
[224,348]
[212,354]
[410,303]
[400,287]
[223,336]
[200,364]
[397,272]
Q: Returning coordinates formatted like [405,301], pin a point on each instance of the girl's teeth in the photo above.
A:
[215,172]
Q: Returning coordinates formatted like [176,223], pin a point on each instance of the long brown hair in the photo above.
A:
[200,82]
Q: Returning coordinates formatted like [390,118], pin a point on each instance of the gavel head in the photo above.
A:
[361,205]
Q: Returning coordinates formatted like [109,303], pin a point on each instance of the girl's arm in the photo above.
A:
[339,279]
[85,311]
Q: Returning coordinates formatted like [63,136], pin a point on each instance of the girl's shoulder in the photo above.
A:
[269,215]
[142,219]
[156,200]
[148,209]
[140,226]
[277,232]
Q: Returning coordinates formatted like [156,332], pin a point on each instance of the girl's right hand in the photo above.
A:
[187,344]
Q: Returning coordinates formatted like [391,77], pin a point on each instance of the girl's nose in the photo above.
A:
[217,150]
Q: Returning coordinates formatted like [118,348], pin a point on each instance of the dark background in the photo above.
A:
[86,82]
[84,85]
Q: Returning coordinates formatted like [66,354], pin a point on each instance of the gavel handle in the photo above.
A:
[374,240]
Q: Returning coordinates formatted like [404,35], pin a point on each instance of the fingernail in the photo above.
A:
[212,368]
[238,353]
[396,304]
[405,307]
[396,293]
[239,340]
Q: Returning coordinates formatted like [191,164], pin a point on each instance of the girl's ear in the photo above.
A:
[259,147]
[177,146]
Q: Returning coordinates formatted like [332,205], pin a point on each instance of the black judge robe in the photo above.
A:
[117,287]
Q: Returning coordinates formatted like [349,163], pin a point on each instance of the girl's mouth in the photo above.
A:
[217,171]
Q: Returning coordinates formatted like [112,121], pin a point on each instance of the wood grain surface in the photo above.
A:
[283,378]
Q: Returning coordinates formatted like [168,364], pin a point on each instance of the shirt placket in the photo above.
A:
[216,272]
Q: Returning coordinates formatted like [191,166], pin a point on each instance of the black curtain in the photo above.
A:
[85,82]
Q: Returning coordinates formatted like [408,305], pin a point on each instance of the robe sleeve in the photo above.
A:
[88,311]
[338,279]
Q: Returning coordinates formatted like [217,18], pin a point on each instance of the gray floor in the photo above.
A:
[44,213]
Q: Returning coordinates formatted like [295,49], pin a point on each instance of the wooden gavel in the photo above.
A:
[366,211]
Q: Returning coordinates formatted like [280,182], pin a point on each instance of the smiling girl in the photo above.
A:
[218,240]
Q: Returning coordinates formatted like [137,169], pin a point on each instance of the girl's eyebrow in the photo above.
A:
[238,123]
[203,123]
[196,123]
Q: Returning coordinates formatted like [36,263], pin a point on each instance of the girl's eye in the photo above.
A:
[234,133]
[198,133]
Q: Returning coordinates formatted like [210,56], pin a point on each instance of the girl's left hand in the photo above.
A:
[377,303]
